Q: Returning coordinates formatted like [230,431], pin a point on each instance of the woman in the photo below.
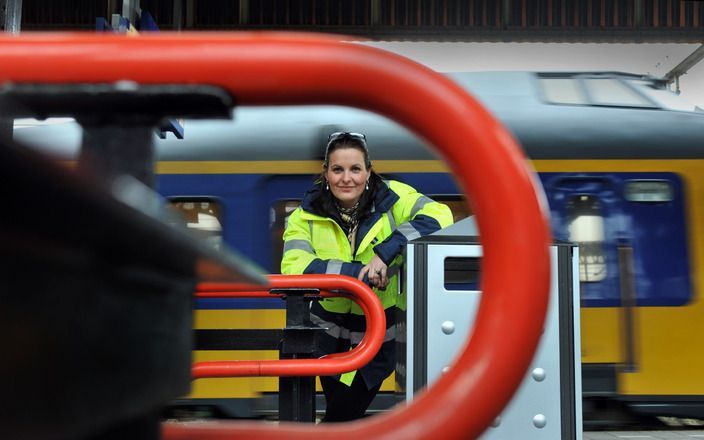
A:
[352,222]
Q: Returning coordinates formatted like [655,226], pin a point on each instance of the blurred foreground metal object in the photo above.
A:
[96,304]
[295,69]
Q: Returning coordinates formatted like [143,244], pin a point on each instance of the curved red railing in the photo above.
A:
[336,363]
[288,69]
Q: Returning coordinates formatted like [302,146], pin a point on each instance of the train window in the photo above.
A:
[203,217]
[457,204]
[604,91]
[586,228]
[651,191]
[278,220]
[613,92]
[563,91]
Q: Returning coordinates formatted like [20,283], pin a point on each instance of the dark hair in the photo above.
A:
[339,141]
[343,139]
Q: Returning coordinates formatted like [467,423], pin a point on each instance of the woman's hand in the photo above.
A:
[376,271]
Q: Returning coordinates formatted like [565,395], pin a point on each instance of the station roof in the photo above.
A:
[400,20]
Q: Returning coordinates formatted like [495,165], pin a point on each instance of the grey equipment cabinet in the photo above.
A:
[441,295]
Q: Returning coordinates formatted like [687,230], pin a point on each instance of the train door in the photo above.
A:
[631,232]
[585,210]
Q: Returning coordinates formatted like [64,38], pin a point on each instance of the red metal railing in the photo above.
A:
[329,365]
[290,69]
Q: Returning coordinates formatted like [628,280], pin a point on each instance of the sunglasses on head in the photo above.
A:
[344,135]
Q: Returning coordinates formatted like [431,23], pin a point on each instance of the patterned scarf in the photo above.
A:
[350,216]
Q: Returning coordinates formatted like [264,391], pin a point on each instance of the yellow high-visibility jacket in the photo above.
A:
[315,243]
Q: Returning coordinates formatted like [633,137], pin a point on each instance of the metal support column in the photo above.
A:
[376,12]
[297,394]
[131,11]
[10,16]
[638,13]
[178,15]
[111,7]
[244,12]
[190,13]
[506,13]
[10,21]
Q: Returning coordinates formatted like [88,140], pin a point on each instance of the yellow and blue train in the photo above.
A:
[621,160]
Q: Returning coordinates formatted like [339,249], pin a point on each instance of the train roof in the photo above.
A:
[554,115]
[632,116]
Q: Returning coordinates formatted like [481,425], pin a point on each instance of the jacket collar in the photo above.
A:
[384,199]
[311,196]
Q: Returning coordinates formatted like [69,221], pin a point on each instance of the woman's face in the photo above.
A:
[347,175]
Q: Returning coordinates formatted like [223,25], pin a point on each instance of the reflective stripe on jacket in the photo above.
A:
[317,244]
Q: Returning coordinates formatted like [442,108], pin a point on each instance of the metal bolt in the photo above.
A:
[539,420]
[538,374]
[448,327]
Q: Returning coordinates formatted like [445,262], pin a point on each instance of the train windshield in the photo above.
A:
[611,90]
